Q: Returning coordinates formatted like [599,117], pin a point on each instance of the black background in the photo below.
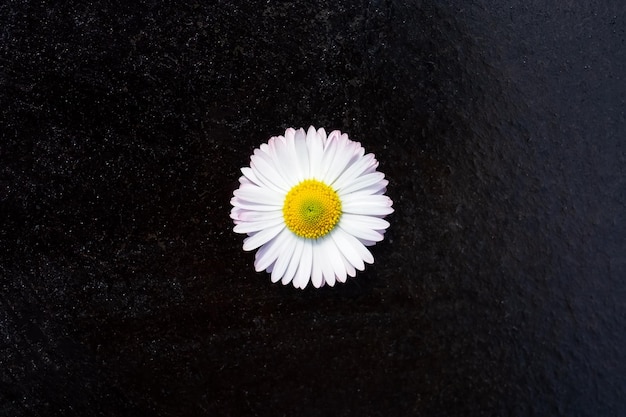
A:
[499,289]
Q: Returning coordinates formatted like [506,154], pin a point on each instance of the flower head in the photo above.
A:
[311,204]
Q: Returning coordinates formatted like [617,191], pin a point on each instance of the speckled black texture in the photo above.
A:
[499,290]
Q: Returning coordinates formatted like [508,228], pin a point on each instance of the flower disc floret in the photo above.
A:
[311,209]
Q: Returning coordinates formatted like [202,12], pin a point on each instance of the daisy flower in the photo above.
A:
[311,204]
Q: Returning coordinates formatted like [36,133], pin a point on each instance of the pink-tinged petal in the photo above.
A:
[321,135]
[263,149]
[236,213]
[244,181]
[290,133]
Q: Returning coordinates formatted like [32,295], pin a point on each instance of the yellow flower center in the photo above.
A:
[311,209]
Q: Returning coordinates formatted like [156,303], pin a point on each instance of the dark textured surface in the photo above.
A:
[500,289]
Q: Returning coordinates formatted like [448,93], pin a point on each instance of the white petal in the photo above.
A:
[284,150]
[269,151]
[364,222]
[324,260]
[378,188]
[267,173]
[317,277]
[282,262]
[293,262]
[337,154]
[321,134]
[257,216]
[289,159]
[334,258]
[372,205]
[330,153]
[277,148]
[249,174]
[290,133]
[348,248]
[349,269]
[260,238]
[303,275]
[344,154]
[294,156]
[361,233]
[268,253]
[250,227]
[361,182]
[303,151]
[235,213]
[245,181]
[274,276]
[263,149]
[260,195]
[363,252]
[315,144]
[237,202]
[354,171]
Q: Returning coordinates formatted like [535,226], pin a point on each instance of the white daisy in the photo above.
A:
[311,204]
